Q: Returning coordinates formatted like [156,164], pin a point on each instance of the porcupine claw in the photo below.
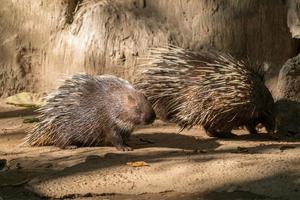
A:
[124,148]
[70,147]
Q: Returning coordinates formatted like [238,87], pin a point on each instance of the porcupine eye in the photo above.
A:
[133,104]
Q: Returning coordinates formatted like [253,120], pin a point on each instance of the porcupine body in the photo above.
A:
[91,110]
[206,88]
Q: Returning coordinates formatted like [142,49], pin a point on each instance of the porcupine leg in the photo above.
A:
[219,134]
[126,136]
[115,138]
[251,128]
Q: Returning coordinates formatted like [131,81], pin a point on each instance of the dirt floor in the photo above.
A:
[188,165]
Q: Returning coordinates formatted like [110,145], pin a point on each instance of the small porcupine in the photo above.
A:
[207,88]
[90,110]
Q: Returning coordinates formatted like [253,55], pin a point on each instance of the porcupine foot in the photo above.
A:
[124,147]
[219,134]
[70,147]
[251,128]
[117,141]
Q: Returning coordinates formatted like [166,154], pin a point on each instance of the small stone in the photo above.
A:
[285,147]
[241,150]
[3,163]
[18,166]
[231,189]
[199,151]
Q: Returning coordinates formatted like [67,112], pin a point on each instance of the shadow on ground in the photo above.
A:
[152,146]
[18,113]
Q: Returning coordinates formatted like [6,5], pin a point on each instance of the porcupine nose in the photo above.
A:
[149,117]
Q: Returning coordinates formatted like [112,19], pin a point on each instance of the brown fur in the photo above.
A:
[206,88]
[91,110]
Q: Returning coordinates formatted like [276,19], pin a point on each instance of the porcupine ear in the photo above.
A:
[259,68]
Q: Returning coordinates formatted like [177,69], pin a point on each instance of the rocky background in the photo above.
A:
[44,41]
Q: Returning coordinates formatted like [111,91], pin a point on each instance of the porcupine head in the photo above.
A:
[124,108]
[136,109]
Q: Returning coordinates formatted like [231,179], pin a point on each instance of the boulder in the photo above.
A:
[288,97]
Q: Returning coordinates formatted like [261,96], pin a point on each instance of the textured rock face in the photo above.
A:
[288,96]
[289,80]
[293,18]
[26,28]
[41,42]
[288,86]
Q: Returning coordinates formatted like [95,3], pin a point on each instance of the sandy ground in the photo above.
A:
[189,165]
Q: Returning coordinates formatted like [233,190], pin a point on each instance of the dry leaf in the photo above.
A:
[25,99]
[137,164]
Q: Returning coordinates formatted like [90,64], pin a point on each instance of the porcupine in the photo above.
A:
[91,110]
[206,88]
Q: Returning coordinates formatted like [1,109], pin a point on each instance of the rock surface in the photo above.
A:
[293,18]
[288,86]
[42,42]
[288,97]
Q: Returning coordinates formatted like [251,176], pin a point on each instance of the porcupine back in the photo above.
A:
[86,108]
[205,88]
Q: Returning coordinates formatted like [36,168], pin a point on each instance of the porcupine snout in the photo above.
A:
[148,115]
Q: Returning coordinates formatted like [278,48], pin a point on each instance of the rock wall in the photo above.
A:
[293,17]
[43,41]
[25,30]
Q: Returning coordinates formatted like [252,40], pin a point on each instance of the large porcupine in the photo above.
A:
[91,110]
[206,88]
